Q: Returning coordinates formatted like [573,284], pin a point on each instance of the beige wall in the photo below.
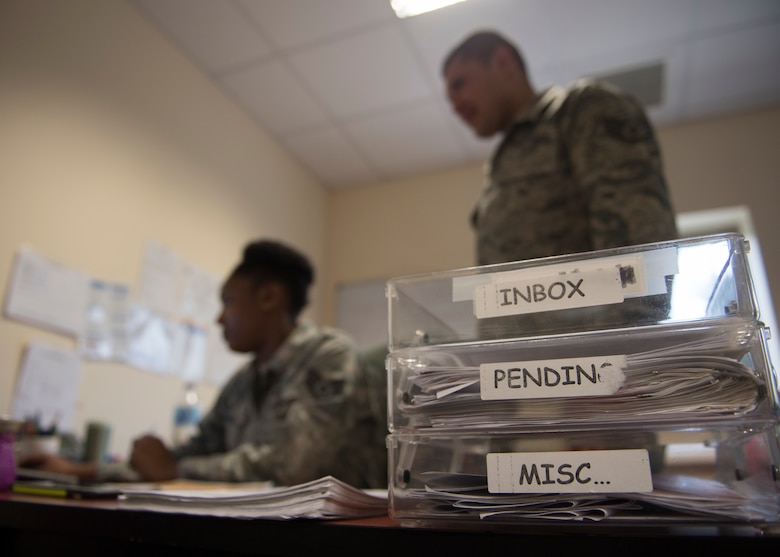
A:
[421,224]
[109,138]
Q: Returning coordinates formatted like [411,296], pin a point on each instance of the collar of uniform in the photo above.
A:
[285,353]
[550,97]
[545,104]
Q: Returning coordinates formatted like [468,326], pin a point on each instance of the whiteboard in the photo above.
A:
[362,313]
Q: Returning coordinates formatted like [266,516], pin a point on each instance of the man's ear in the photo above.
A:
[503,60]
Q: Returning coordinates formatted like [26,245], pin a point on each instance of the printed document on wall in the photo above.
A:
[46,293]
[159,282]
[47,386]
[106,322]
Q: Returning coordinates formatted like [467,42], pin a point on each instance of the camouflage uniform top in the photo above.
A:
[302,415]
[580,170]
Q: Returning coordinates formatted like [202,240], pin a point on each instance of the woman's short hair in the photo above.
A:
[269,260]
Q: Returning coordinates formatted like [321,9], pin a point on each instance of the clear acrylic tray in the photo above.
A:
[712,372]
[667,282]
[616,475]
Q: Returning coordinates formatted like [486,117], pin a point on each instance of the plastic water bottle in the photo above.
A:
[186,416]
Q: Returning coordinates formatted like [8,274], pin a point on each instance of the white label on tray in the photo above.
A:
[567,377]
[607,471]
[548,293]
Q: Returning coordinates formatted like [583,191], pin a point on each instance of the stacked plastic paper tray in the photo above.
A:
[624,386]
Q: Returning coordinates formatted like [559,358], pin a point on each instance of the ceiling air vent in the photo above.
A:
[646,83]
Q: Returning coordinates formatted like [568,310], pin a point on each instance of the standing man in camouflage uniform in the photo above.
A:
[578,169]
[298,411]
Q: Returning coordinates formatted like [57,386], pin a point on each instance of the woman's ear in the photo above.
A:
[270,295]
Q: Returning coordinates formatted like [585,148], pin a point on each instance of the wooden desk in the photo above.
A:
[32,525]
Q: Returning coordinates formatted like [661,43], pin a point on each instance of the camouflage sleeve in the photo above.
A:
[311,422]
[116,472]
[616,158]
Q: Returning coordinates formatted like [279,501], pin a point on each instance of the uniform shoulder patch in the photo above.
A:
[321,386]
[632,130]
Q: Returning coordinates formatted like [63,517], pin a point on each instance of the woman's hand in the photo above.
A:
[85,471]
[153,460]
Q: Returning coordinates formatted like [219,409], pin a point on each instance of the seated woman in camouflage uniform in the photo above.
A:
[301,409]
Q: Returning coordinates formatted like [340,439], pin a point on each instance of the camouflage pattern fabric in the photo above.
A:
[579,171]
[305,414]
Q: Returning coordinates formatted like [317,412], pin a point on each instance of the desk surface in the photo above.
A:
[31,525]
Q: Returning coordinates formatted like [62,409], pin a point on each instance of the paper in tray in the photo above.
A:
[703,373]
[577,475]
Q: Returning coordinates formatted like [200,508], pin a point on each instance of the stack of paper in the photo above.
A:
[325,498]
[687,385]
[680,495]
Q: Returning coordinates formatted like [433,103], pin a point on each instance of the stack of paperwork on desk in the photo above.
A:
[324,498]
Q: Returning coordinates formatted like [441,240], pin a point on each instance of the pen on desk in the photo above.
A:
[49,491]
[66,491]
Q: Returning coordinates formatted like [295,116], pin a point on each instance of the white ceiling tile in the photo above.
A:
[737,69]
[588,28]
[330,156]
[215,34]
[524,23]
[417,137]
[363,73]
[477,148]
[725,14]
[560,74]
[292,23]
[357,95]
[275,97]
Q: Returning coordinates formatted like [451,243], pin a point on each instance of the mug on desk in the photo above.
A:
[96,444]
[8,430]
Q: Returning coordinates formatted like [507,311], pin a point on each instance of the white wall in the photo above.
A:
[109,138]
[421,224]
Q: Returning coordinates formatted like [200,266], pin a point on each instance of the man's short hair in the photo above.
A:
[480,46]
[269,260]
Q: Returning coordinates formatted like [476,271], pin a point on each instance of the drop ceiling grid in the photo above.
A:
[356,94]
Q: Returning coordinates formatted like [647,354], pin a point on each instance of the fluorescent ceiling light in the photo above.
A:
[408,8]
